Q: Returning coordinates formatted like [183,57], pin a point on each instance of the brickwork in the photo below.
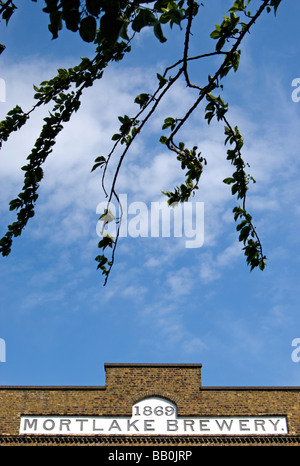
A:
[128,383]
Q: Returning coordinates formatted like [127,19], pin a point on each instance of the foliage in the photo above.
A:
[111,26]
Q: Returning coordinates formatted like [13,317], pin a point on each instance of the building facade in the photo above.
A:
[150,405]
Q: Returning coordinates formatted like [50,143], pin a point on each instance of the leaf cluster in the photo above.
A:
[111,26]
[7,9]
[108,20]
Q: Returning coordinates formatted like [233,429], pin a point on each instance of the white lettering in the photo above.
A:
[138,226]
[119,456]
[155,455]
[166,212]
[2,90]
[198,232]
[171,455]
[296,92]
[2,350]
[184,216]
[296,351]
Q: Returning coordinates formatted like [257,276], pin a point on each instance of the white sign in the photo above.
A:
[153,416]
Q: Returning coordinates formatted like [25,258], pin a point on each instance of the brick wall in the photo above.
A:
[129,383]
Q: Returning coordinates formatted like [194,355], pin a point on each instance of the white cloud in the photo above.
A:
[194,346]
[226,257]
[180,283]
[70,194]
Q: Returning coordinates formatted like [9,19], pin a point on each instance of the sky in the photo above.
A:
[164,302]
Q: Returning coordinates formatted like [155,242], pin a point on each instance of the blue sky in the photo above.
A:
[163,302]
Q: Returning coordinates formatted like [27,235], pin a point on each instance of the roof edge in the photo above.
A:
[52,387]
[151,364]
[262,388]
[102,387]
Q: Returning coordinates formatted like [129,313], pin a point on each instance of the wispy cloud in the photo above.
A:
[156,280]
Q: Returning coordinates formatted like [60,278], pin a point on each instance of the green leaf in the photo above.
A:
[99,161]
[241,225]
[215,34]
[244,233]
[275,4]
[234,189]
[169,122]
[106,241]
[228,180]
[123,32]
[15,204]
[111,27]
[8,12]
[262,265]
[144,18]
[142,99]
[162,80]
[238,5]
[102,261]
[93,7]
[55,23]
[158,32]
[87,28]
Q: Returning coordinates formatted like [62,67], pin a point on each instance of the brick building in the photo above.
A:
[150,404]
